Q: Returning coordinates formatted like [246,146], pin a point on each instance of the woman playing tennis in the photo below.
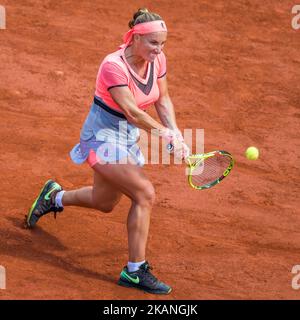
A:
[128,82]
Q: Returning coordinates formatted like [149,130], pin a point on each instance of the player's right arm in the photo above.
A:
[125,100]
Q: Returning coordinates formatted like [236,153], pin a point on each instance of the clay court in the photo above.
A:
[233,70]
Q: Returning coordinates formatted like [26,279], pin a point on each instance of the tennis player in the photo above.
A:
[128,82]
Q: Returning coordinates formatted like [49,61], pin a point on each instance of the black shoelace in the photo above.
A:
[44,206]
[148,275]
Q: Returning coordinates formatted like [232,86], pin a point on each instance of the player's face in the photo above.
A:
[150,45]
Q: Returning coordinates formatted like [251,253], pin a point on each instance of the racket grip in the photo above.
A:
[170,147]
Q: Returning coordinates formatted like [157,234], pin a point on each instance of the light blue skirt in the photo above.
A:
[113,139]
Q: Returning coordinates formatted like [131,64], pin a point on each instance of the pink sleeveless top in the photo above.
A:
[115,71]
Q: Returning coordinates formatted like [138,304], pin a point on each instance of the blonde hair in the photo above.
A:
[143,15]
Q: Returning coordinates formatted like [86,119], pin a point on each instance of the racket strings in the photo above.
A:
[209,170]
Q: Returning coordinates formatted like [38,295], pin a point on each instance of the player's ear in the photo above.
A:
[137,37]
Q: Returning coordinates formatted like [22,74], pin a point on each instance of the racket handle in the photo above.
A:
[170,147]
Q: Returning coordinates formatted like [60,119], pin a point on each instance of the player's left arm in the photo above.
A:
[164,106]
[166,113]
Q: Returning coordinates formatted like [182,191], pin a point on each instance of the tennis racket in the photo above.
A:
[206,170]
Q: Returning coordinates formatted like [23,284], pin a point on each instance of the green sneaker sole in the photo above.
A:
[137,286]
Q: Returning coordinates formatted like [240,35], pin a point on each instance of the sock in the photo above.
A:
[58,198]
[134,266]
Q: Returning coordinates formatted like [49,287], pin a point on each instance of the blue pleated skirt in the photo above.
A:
[113,139]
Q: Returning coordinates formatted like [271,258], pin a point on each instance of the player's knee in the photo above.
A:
[146,197]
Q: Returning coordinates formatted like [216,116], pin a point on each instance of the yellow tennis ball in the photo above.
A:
[252,153]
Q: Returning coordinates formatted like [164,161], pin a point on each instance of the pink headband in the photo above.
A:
[144,28]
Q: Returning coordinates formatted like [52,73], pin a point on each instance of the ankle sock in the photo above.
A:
[58,198]
[134,266]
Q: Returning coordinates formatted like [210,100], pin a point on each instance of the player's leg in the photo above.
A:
[131,181]
[102,195]
[110,181]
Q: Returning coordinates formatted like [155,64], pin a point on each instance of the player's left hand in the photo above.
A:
[180,148]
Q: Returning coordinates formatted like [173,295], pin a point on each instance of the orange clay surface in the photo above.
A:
[233,69]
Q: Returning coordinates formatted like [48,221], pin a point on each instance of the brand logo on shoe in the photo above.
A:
[134,280]
[47,196]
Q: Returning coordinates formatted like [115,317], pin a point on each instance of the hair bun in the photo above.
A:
[143,10]
[143,15]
